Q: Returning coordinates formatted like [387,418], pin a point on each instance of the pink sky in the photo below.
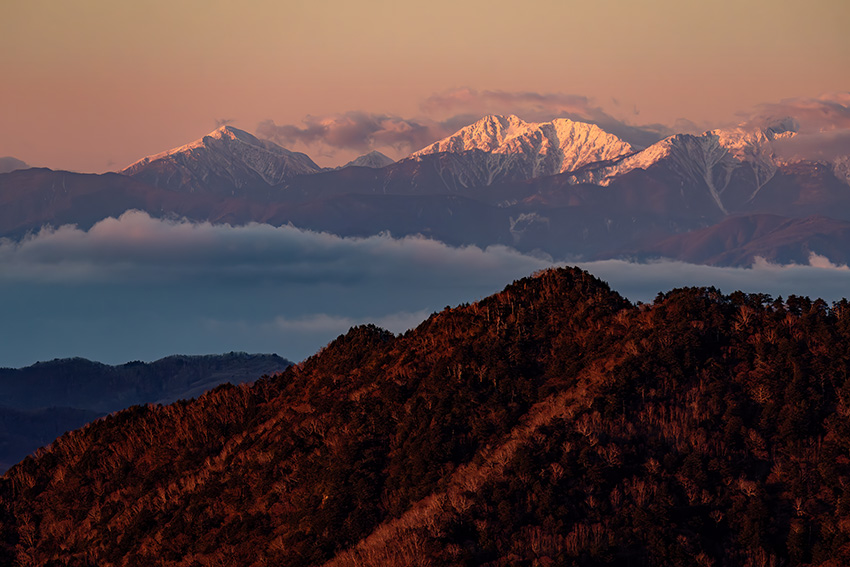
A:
[93,85]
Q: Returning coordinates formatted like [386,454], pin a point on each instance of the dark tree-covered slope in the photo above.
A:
[551,424]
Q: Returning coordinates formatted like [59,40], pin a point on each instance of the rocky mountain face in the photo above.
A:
[498,148]
[564,188]
[42,401]
[551,424]
[373,159]
[731,166]
[226,162]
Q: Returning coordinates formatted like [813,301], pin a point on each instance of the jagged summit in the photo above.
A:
[224,133]
[503,148]
[716,160]
[554,147]
[225,161]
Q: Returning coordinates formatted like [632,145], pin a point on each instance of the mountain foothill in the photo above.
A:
[553,423]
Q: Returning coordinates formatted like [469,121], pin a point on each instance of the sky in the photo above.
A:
[93,85]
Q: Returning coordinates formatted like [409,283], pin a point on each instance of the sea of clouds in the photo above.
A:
[139,288]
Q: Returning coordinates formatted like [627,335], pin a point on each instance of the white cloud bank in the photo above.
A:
[140,288]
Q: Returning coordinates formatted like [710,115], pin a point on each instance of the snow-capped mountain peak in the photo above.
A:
[233,156]
[709,159]
[502,146]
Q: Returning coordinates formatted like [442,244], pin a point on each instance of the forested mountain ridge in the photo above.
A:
[551,424]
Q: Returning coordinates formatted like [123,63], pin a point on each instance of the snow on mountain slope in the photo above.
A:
[713,159]
[508,147]
[374,159]
[227,160]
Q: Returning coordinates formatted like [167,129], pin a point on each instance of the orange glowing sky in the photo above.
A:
[92,85]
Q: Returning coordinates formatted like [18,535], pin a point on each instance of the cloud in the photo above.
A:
[398,322]
[358,131]
[829,112]
[819,146]
[9,163]
[822,125]
[219,122]
[141,288]
[136,247]
[642,282]
[539,107]
[443,115]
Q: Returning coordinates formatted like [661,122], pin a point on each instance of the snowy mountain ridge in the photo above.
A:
[711,158]
[226,154]
[509,144]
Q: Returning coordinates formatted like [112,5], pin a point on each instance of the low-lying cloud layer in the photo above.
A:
[140,288]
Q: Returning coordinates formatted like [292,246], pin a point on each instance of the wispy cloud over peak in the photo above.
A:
[442,115]
[541,107]
[355,130]
[822,126]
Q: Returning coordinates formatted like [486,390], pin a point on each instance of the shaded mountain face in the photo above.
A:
[9,163]
[226,162]
[81,383]
[374,159]
[42,401]
[35,197]
[564,188]
[553,423]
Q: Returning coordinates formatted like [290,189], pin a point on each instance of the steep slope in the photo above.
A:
[227,161]
[731,165]
[494,182]
[497,148]
[552,423]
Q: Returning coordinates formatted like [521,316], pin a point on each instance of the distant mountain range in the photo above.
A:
[42,401]
[562,187]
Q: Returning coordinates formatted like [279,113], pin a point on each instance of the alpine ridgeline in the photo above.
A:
[553,423]
[500,148]
[565,188]
[227,161]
